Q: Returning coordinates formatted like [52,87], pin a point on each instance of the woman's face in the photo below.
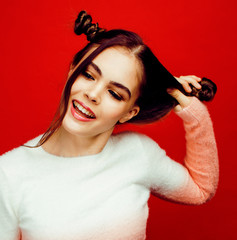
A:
[104,94]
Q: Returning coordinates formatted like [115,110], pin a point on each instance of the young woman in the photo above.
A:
[79,181]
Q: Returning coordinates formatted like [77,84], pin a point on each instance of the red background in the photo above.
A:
[189,37]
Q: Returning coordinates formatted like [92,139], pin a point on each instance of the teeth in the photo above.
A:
[82,109]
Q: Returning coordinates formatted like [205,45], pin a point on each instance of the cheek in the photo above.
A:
[77,86]
[113,111]
[81,84]
[114,115]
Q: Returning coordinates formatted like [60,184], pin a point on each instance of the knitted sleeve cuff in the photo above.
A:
[195,111]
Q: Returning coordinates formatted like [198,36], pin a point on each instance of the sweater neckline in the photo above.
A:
[41,150]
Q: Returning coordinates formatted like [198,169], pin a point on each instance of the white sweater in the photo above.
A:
[102,196]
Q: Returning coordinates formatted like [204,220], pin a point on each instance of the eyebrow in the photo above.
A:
[116,84]
[121,86]
[97,69]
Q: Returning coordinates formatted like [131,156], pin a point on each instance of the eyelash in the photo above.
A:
[116,96]
[87,75]
[112,93]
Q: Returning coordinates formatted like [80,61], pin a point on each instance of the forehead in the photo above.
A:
[119,65]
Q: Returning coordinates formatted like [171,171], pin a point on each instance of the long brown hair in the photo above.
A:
[154,101]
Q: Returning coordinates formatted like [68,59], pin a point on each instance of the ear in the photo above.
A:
[132,113]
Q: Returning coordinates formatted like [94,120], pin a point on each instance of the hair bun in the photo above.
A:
[207,92]
[83,25]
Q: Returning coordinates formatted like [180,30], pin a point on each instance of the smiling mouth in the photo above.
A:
[82,111]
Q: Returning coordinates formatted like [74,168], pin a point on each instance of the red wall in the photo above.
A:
[189,37]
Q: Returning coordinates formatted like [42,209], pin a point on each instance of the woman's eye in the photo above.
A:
[87,75]
[114,95]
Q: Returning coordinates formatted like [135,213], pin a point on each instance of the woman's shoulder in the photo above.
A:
[17,156]
[130,138]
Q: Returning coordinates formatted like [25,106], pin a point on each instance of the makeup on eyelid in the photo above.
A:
[114,94]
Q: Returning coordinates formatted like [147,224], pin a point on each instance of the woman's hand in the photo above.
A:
[182,99]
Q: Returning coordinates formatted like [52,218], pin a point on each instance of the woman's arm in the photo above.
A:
[201,161]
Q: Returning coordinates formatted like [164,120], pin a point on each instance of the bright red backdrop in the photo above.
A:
[189,37]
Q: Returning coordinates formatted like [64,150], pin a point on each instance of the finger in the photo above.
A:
[196,85]
[193,81]
[182,99]
[194,77]
[185,85]
[190,80]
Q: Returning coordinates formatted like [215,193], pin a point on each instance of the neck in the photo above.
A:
[65,144]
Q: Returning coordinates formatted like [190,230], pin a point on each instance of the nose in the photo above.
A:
[94,94]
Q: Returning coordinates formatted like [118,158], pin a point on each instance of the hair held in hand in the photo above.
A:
[154,101]
[84,25]
[206,93]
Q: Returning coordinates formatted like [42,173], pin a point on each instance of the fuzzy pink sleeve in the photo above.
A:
[201,159]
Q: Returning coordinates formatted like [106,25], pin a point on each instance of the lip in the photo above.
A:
[83,105]
[79,117]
